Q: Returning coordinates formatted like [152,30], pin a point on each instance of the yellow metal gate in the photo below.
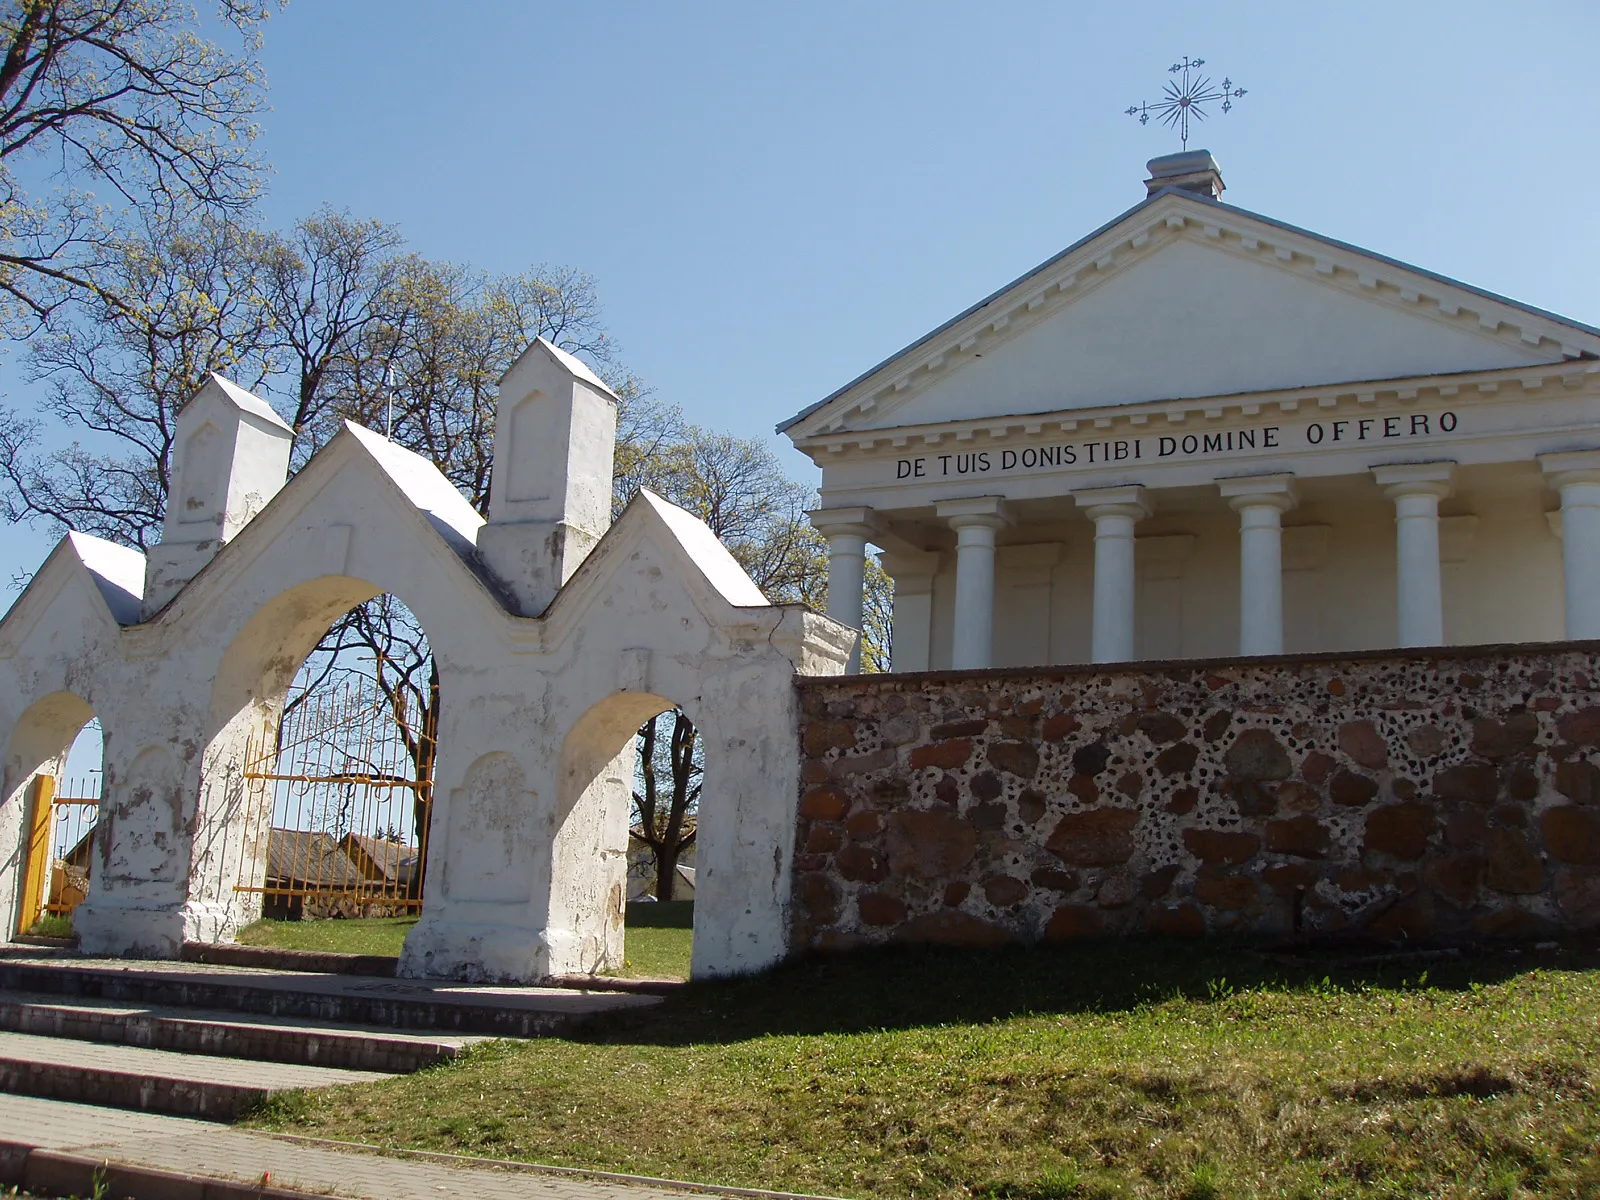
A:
[60,840]
[340,802]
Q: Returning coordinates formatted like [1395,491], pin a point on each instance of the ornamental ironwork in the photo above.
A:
[1183,97]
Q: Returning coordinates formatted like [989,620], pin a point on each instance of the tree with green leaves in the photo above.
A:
[110,108]
[117,373]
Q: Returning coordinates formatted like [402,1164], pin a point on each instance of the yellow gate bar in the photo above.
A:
[36,870]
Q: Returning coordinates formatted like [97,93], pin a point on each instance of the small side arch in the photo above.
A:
[253,678]
[587,887]
[38,746]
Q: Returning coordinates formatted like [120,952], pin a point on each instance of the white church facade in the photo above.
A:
[1201,432]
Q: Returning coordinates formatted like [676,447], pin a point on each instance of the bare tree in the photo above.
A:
[331,283]
[124,96]
[666,797]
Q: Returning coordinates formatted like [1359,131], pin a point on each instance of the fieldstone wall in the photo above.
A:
[1437,796]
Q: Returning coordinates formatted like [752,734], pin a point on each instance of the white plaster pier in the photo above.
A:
[556,634]
[1202,432]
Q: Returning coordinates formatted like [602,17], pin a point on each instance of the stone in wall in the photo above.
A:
[1433,796]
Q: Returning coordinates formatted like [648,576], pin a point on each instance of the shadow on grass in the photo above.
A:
[669,914]
[908,987]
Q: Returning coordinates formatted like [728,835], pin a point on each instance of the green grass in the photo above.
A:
[51,925]
[364,935]
[656,944]
[1171,1071]
[656,953]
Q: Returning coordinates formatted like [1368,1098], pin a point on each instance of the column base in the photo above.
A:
[219,921]
[474,952]
[119,931]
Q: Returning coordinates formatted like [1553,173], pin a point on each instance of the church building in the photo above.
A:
[1201,432]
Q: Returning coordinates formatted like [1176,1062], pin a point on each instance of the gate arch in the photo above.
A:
[234,826]
[35,752]
[586,895]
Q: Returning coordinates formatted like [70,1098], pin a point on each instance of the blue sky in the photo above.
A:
[775,196]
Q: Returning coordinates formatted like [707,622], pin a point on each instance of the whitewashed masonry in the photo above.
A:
[556,634]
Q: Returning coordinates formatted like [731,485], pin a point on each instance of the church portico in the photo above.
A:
[1184,560]
[1208,433]
[1219,434]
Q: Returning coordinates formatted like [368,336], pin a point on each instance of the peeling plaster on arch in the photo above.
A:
[590,822]
[140,844]
[246,703]
[261,660]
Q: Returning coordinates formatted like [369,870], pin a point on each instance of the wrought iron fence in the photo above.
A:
[341,800]
[75,808]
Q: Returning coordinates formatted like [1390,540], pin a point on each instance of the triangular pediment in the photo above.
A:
[679,549]
[1185,298]
[97,578]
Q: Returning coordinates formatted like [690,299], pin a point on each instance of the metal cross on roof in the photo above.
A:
[1184,96]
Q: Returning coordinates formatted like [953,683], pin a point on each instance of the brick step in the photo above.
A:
[323,999]
[327,962]
[227,1035]
[186,1085]
[333,962]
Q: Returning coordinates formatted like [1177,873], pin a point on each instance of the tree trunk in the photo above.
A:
[666,873]
[422,808]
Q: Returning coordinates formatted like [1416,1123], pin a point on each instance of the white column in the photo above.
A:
[1576,477]
[847,531]
[1260,501]
[1114,511]
[913,574]
[975,520]
[1416,489]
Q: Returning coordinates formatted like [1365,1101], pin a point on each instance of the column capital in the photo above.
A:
[1415,479]
[1129,500]
[1260,491]
[1571,466]
[858,521]
[990,512]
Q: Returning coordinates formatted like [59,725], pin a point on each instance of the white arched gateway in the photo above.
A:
[551,634]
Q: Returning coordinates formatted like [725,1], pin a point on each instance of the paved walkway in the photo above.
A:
[202,1148]
[167,1064]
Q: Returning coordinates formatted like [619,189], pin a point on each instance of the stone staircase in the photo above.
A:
[213,1040]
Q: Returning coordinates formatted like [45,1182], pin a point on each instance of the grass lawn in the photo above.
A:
[656,945]
[1179,1071]
[366,935]
[51,926]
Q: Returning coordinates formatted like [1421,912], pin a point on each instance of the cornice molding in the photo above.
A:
[1570,378]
